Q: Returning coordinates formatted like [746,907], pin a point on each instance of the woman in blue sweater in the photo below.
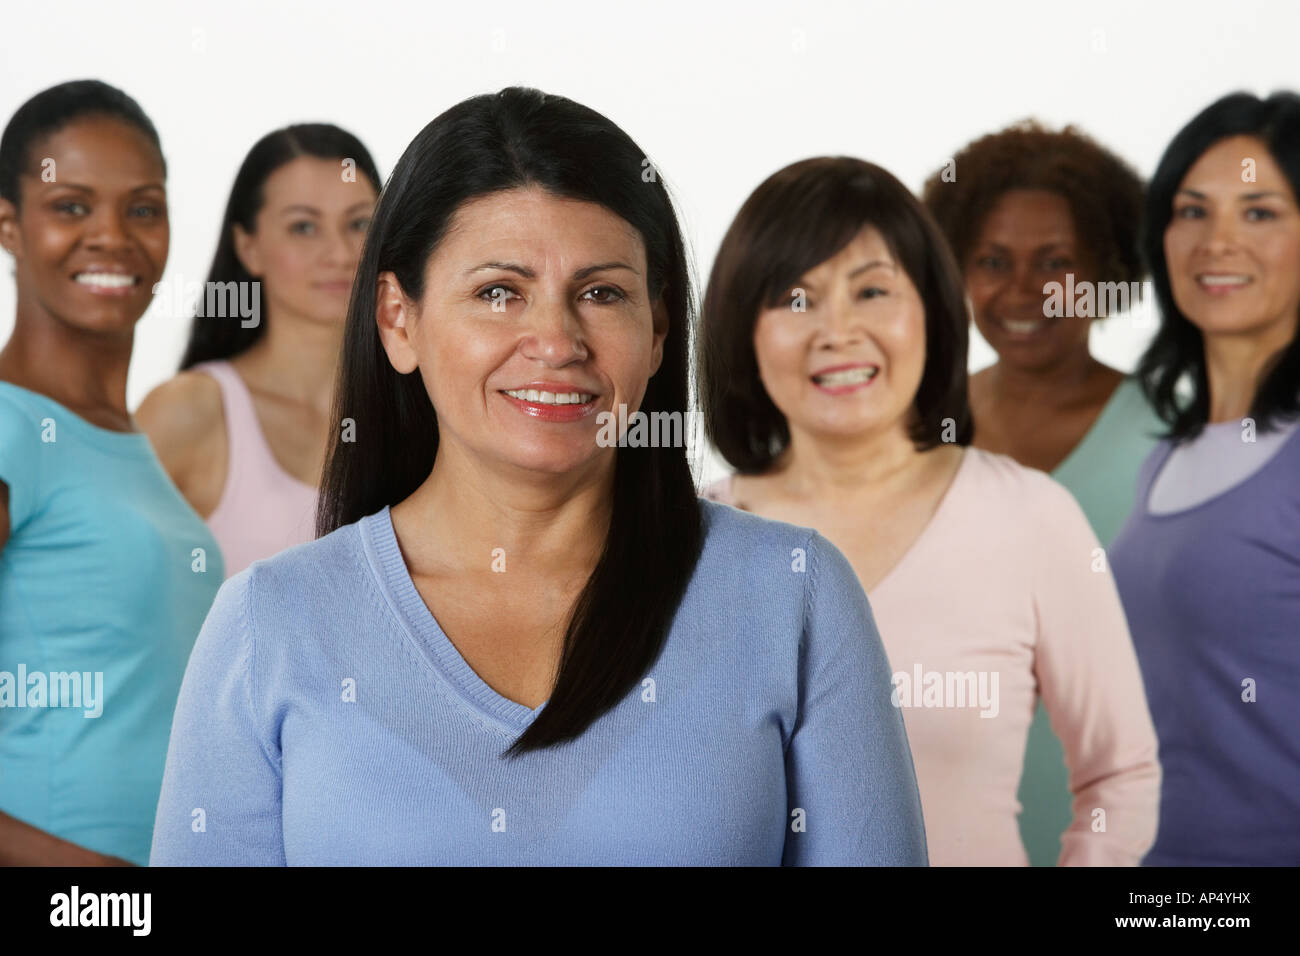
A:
[517,642]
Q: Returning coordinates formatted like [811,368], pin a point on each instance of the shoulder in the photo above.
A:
[726,527]
[314,569]
[189,400]
[21,412]
[1134,409]
[294,604]
[750,555]
[1015,494]
[181,416]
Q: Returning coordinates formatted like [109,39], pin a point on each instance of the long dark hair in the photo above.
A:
[798,217]
[520,137]
[1178,348]
[214,338]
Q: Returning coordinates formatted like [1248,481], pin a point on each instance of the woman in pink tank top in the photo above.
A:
[243,429]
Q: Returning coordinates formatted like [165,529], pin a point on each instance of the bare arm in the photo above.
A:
[185,424]
[24,845]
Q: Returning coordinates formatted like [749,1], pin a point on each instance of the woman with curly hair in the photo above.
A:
[1044,225]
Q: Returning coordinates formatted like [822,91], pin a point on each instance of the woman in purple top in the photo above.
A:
[1208,564]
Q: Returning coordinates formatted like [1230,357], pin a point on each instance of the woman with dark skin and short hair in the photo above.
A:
[105,571]
[1023,208]
[515,643]
[1208,563]
[833,357]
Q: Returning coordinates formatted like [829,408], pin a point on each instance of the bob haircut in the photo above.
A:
[1178,348]
[487,144]
[212,337]
[796,219]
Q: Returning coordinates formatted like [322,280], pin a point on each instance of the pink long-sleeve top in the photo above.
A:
[1006,595]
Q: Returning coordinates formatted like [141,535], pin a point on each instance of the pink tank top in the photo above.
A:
[263,509]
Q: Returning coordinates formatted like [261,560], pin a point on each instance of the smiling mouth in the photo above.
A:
[849,376]
[1222,281]
[1024,327]
[548,398]
[106,280]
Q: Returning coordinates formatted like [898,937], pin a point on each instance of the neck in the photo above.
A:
[1048,383]
[77,368]
[300,356]
[1235,364]
[820,469]
[466,510]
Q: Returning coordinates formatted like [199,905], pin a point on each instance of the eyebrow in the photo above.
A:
[90,189]
[873,264]
[1248,197]
[530,274]
[1041,247]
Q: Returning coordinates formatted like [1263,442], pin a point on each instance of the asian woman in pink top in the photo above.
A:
[833,356]
[243,429]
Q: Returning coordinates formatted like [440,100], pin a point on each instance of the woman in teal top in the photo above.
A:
[1101,471]
[1029,207]
[106,573]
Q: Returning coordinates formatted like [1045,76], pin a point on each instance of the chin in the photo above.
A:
[120,320]
[550,461]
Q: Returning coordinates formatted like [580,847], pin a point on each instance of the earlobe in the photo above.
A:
[9,227]
[660,334]
[246,251]
[394,313]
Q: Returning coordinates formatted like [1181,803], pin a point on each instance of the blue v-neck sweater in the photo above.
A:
[325,719]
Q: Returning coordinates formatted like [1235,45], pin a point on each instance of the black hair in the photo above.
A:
[1178,348]
[798,218]
[214,337]
[486,144]
[50,111]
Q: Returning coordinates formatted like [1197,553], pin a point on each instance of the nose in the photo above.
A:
[555,335]
[1220,234]
[1026,283]
[106,230]
[842,324]
[338,251]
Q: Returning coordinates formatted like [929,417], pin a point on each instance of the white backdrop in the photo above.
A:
[719,95]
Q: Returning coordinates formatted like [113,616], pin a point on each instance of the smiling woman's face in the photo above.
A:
[90,238]
[1027,240]
[1233,247]
[851,360]
[536,317]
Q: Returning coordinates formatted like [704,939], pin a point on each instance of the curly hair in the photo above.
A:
[1104,193]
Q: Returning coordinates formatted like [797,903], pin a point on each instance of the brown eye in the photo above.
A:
[603,295]
[496,293]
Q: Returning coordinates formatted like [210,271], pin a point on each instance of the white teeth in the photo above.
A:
[853,376]
[1023,328]
[549,398]
[105,280]
[1223,280]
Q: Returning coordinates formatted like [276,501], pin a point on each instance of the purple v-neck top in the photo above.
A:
[1212,594]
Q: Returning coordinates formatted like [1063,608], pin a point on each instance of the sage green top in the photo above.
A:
[1102,470]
